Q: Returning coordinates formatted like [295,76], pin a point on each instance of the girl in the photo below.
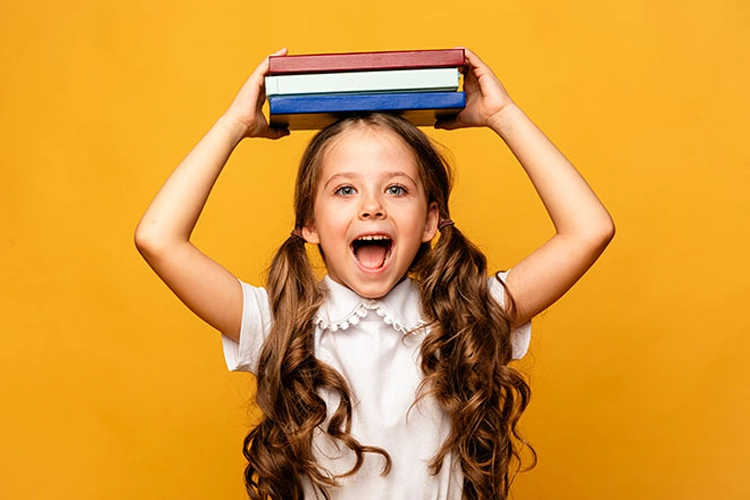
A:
[390,378]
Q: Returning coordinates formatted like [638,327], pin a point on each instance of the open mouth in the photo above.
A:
[372,251]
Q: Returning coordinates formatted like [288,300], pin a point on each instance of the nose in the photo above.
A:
[371,208]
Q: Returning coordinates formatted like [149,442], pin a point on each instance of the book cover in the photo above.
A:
[404,80]
[317,111]
[364,61]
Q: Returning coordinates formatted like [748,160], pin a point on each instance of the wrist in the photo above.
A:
[503,121]
[232,126]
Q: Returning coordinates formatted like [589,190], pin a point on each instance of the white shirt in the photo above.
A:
[375,345]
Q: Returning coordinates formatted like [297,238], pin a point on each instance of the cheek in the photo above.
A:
[418,215]
[331,222]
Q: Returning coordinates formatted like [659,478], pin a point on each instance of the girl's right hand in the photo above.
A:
[246,111]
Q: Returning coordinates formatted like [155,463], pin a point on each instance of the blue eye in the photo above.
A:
[396,190]
[345,191]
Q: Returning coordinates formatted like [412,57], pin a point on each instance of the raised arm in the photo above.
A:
[583,227]
[163,234]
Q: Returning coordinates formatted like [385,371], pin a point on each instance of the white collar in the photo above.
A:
[400,308]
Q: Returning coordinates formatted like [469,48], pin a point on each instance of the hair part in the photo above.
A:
[464,357]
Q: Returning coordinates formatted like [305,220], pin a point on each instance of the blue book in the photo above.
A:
[317,111]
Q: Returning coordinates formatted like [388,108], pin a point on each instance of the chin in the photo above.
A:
[373,290]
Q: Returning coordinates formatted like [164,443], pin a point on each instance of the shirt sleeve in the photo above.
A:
[256,323]
[520,335]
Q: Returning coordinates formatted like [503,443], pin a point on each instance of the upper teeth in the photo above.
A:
[376,237]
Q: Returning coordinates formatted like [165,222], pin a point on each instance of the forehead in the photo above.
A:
[368,149]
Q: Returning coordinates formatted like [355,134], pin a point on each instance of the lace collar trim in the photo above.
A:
[343,308]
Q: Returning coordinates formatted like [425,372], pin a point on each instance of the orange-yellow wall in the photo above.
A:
[111,389]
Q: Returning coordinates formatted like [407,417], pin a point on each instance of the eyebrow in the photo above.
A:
[355,175]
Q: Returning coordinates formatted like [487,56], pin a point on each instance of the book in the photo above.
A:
[404,80]
[364,61]
[317,111]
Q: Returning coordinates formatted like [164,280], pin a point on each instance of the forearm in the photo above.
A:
[172,215]
[572,205]
[583,227]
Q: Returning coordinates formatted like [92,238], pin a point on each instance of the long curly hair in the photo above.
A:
[464,357]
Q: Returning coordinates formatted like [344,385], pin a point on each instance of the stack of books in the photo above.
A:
[311,91]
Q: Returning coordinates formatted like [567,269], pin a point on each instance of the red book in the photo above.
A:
[366,61]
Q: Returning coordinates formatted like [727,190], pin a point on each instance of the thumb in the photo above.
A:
[276,133]
[448,123]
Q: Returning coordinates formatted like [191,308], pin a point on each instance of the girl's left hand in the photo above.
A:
[485,96]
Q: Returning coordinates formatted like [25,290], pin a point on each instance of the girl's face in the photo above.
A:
[371,213]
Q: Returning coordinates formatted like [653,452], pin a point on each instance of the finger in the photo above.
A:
[473,59]
[477,67]
[262,69]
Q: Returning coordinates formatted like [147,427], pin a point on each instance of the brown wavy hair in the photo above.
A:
[464,357]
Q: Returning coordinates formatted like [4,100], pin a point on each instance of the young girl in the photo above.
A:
[390,378]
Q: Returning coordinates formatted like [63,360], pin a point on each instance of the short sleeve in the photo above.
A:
[520,335]
[256,323]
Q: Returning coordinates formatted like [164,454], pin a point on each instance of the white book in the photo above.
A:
[402,80]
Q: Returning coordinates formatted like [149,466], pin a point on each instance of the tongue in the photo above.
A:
[372,256]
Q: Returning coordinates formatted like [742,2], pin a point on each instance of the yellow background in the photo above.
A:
[111,389]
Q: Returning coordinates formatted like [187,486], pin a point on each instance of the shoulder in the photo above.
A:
[241,354]
[497,286]
[521,334]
